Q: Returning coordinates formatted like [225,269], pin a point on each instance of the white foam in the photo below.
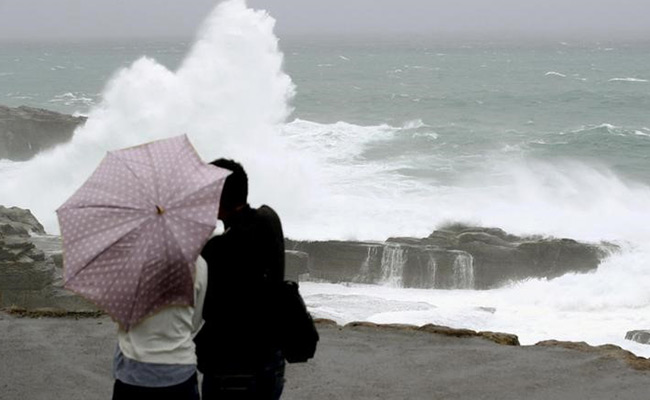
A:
[598,308]
[428,135]
[414,124]
[627,80]
[71,99]
[587,128]
[553,73]
[563,198]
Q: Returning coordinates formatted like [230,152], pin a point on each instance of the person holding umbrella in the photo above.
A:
[132,235]
[238,347]
[156,358]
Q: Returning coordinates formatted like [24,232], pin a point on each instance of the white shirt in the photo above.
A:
[166,337]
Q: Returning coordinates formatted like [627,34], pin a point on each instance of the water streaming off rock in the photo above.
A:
[393,260]
[463,271]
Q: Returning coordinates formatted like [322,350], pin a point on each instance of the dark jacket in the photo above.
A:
[245,266]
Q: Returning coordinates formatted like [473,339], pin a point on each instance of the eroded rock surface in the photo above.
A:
[606,350]
[457,257]
[30,269]
[639,336]
[25,131]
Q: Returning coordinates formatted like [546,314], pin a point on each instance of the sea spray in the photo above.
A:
[229,95]
[410,192]
[563,197]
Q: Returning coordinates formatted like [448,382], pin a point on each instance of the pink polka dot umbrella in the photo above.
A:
[133,231]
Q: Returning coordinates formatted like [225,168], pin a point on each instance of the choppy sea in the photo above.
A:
[369,137]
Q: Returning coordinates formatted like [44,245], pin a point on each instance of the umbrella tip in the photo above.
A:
[160,210]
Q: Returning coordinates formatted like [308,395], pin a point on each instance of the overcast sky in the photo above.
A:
[89,19]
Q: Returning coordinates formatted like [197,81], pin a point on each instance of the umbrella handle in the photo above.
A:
[160,210]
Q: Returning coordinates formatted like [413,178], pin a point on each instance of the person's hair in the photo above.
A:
[235,189]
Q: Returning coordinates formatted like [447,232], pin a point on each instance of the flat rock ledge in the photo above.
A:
[455,256]
[25,131]
[506,339]
[606,350]
[497,337]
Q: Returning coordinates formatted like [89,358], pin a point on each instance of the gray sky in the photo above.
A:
[533,16]
[58,19]
[91,19]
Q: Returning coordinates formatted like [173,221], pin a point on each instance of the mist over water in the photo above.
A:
[229,95]
[378,150]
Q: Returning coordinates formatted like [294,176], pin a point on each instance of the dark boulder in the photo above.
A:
[29,274]
[18,221]
[25,131]
[455,257]
[639,336]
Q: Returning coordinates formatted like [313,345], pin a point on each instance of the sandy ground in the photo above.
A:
[63,358]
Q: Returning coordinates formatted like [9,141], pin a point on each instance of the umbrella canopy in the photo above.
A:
[133,231]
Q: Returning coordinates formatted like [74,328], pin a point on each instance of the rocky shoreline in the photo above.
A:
[457,256]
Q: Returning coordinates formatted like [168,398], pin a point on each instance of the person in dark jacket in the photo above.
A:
[238,346]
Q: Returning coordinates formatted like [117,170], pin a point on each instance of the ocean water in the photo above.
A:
[369,137]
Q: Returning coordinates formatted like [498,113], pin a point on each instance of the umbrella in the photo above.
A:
[133,231]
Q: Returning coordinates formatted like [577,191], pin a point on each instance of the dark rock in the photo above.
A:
[325,321]
[58,259]
[507,339]
[29,276]
[640,336]
[25,273]
[404,240]
[483,237]
[25,131]
[15,247]
[440,239]
[553,257]
[50,312]
[456,257]
[331,260]
[447,331]
[18,221]
[497,337]
[51,246]
[13,230]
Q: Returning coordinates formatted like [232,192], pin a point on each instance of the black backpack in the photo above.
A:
[298,334]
